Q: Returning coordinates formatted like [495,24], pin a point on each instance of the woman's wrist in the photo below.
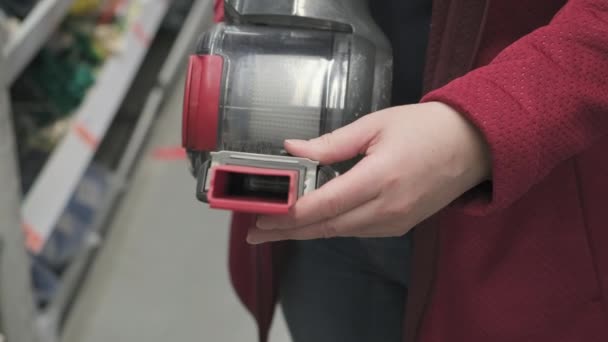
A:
[472,157]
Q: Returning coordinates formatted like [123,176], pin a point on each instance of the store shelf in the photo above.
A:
[50,193]
[72,278]
[31,35]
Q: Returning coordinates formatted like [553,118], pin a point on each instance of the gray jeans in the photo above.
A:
[346,289]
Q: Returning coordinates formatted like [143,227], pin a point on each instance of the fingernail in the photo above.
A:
[252,240]
[265,223]
[294,142]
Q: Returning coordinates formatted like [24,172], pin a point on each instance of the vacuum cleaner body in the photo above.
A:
[276,70]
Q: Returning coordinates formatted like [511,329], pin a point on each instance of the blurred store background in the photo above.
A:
[101,238]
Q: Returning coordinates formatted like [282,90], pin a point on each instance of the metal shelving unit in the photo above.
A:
[17,313]
[37,215]
[50,193]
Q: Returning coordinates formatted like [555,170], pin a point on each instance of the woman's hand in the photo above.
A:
[418,159]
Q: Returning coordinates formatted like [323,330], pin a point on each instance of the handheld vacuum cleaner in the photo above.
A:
[276,70]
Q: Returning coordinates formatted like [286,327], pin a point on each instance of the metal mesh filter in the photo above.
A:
[275,97]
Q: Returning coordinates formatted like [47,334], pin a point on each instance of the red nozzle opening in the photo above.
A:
[252,189]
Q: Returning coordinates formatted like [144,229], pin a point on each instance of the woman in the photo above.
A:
[501,168]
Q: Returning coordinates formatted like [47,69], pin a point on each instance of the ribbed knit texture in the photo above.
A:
[541,101]
[524,258]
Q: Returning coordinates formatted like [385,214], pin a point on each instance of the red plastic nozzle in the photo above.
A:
[252,189]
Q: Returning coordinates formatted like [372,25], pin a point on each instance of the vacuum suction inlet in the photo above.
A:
[257,183]
[252,189]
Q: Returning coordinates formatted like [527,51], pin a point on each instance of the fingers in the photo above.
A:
[340,195]
[342,144]
[348,224]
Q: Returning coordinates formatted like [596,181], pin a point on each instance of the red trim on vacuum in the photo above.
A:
[201,102]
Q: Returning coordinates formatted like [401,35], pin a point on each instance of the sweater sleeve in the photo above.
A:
[541,101]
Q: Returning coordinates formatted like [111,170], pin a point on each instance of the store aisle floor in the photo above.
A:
[161,275]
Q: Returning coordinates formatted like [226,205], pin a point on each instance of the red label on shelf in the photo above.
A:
[141,34]
[86,136]
[33,240]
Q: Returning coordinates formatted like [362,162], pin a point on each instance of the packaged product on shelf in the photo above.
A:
[45,282]
[75,225]
[57,81]
[86,7]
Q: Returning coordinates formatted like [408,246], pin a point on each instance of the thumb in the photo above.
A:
[342,144]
